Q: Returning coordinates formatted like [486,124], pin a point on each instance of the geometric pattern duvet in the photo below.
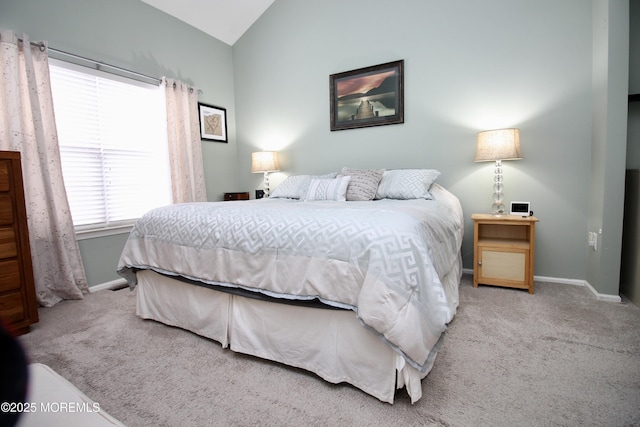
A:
[383,259]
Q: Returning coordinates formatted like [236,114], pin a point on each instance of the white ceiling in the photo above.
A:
[226,20]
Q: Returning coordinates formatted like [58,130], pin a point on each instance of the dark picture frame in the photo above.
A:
[213,122]
[370,96]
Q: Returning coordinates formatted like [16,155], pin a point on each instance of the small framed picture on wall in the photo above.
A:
[213,122]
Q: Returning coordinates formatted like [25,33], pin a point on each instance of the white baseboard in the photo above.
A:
[603,297]
[574,282]
[118,283]
[560,280]
[578,282]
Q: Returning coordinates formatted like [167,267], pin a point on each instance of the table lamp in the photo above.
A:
[498,145]
[265,162]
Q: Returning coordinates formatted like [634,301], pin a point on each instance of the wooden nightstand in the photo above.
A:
[236,196]
[503,250]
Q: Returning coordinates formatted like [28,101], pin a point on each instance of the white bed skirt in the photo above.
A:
[331,343]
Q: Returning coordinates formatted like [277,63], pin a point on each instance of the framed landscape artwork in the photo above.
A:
[213,122]
[371,96]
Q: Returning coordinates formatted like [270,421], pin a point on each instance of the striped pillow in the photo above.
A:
[364,183]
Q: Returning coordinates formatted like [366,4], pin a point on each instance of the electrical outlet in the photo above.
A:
[593,240]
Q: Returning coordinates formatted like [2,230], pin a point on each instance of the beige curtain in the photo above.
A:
[185,151]
[27,125]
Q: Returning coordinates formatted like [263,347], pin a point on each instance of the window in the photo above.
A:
[113,144]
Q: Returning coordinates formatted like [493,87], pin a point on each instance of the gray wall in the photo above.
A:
[469,66]
[135,36]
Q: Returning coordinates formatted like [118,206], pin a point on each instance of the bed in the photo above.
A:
[352,276]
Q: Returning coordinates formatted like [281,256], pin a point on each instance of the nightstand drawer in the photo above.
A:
[236,196]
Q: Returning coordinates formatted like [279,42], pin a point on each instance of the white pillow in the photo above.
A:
[328,189]
[291,187]
[407,184]
[363,184]
[295,186]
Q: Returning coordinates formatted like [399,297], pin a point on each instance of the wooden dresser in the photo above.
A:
[18,306]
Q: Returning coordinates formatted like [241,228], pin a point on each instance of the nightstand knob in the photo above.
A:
[479,262]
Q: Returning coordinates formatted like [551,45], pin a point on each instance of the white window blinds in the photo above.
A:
[113,143]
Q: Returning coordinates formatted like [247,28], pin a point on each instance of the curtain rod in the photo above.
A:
[100,65]
[96,64]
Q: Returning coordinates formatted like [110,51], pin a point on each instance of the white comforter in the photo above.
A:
[383,259]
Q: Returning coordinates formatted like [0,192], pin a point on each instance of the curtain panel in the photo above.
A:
[185,149]
[27,125]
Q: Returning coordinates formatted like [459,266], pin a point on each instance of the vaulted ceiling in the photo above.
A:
[226,20]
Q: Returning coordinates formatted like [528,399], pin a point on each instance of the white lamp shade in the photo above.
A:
[498,144]
[264,161]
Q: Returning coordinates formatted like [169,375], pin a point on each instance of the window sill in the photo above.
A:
[103,232]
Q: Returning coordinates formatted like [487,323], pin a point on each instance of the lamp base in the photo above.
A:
[498,206]
[266,184]
[498,210]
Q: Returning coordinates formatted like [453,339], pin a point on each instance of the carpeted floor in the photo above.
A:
[555,358]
